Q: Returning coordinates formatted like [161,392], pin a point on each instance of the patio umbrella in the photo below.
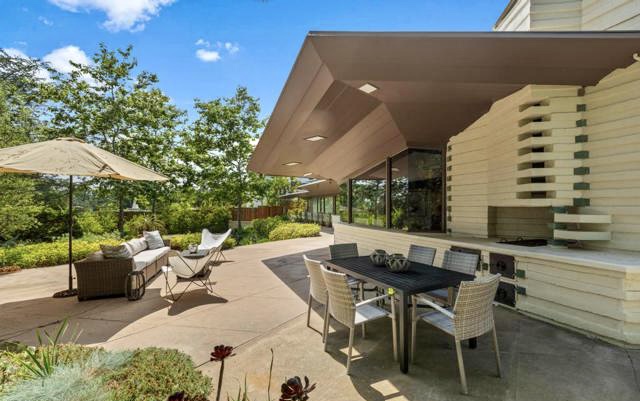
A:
[71,157]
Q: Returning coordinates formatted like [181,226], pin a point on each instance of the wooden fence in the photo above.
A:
[260,212]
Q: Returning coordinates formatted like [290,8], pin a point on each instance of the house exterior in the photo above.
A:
[520,146]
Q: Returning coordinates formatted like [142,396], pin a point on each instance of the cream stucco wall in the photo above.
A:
[591,291]
[572,15]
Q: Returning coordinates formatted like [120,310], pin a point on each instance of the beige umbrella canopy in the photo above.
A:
[71,157]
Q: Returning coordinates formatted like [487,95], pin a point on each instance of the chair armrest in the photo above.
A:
[368,301]
[437,307]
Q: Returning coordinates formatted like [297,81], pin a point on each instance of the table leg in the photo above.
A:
[403,332]
[473,343]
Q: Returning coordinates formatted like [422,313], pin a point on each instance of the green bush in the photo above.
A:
[140,223]
[263,227]
[154,373]
[182,241]
[89,223]
[184,218]
[294,230]
[51,253]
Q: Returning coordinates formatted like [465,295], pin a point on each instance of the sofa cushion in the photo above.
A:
[145,258]
[115,251]
[153,238]
[137,245]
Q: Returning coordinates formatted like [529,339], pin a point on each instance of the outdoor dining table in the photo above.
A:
[418,279]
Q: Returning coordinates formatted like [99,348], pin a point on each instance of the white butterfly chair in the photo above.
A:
[214,242]
[343,308]
[470,317]
[193,271]
[317,290]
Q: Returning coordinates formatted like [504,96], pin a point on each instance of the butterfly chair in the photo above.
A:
[470,317]
[317,290]
[214,243]
[192,271]
[343,308]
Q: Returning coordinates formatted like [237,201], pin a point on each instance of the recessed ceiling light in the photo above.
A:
[395,169]
[307,174]
[289,164]
[315,138]
[368,88]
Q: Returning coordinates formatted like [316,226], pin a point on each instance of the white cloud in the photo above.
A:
[202,42]
[45,21]
[121,14]
[208,56]
[59,58]
[232,48]
[13,52]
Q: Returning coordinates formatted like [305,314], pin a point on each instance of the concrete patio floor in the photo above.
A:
[260,304]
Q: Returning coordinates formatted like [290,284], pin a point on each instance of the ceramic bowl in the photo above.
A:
[378,257]
[397,263]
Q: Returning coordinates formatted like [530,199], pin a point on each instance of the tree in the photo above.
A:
[106,104]
[219,146]
[20,107]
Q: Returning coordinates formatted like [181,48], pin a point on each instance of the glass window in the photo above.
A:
[368,197]
[416,190]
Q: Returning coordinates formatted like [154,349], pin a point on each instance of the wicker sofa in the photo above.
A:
[104,277]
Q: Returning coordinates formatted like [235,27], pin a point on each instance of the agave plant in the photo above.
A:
[42,360]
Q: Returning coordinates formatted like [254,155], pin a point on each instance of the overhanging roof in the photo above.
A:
[431,86]
[315,188]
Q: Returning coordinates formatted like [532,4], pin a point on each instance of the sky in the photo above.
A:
[206,48]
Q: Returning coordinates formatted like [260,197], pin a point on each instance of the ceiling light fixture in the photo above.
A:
[395,169]
[315,138]
[307,174]
[289,164]
[368,88]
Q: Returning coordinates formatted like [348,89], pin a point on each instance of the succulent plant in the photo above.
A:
[294,390]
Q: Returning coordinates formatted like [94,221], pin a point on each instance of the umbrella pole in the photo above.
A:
[70,292]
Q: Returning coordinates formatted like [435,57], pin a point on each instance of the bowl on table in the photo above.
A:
[378,257]
[397,262]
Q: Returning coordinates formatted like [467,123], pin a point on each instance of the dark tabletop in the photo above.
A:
[196,255]
[419,278]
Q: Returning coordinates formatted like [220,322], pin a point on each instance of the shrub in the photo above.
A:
[182,241]
[51,253]
[184,218]
[294,230]
[263,227]
[140,223]
[154,373]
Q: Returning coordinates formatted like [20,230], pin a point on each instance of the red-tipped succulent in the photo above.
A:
[221,352]
[294,390]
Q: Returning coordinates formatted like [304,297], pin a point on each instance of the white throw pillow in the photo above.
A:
[137,245]
[153,238]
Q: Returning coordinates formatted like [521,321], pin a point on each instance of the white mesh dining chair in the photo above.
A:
[343,308]
[421,254]
[317,290]
[470,317]
[455,261]
[348,250]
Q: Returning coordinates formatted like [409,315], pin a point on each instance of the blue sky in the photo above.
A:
[241,42]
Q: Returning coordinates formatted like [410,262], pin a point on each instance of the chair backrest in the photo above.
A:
[187,268]
[339,251]
[474,307]
[421,254]
[341,304]
[213,241]
[317,287]
[460,262]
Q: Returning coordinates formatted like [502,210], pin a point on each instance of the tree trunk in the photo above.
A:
[238,214]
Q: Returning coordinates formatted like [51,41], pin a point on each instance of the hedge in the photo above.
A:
[294,230]
[51,253]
